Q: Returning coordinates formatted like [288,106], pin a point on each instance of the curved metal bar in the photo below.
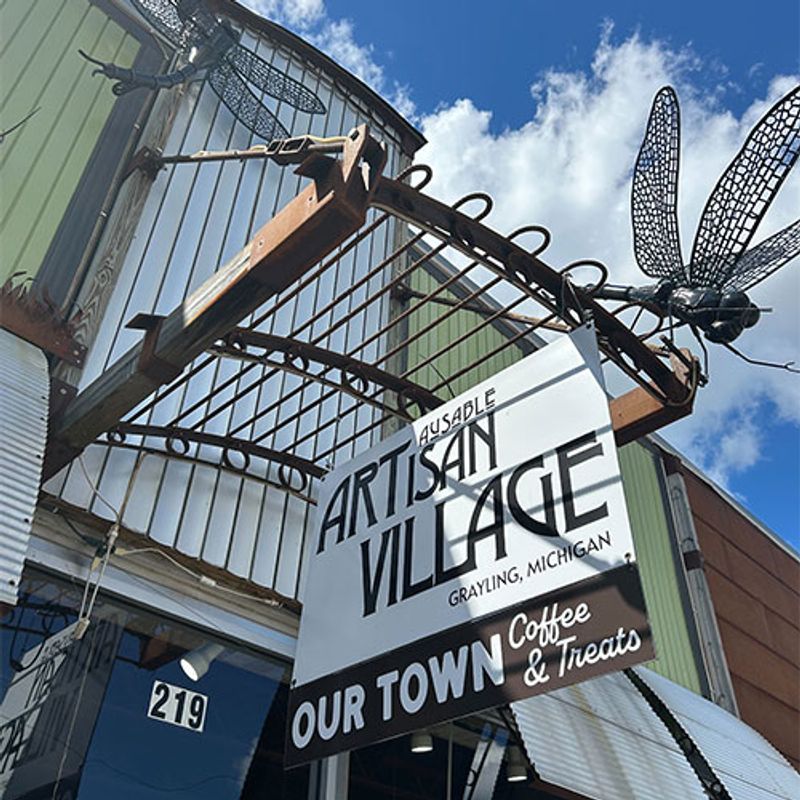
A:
[121,444]
[592,288]
[529,274]
[468,198]
[640,309]
[540,229]
[427,175]
[355,376]
[177,442]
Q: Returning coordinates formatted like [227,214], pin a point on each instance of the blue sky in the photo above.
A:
[492,52]
[543,106]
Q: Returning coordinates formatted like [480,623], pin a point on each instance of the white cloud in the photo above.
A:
[569,168]
[293,13]
[337,39]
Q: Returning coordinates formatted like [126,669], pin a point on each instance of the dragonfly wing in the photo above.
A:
[763,259]
[744,192]
[255,70]
[163,16]
[246,107]
[654,194]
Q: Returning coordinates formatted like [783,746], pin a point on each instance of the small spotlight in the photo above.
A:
[196,663]
[516,769]
[421,742]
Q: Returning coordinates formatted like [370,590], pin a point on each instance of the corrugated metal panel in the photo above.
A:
[600,739]
[24,393]
[666,604]
[43,161]
[195,219]
[746,763]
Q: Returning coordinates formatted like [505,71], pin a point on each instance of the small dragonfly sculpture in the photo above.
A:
[209,47]
[709,292]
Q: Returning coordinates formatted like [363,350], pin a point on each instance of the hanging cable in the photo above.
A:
[97,568]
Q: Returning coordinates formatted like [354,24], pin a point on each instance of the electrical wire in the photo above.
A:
[96,491]
[205,580]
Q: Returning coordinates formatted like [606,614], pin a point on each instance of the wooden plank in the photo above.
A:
[637,413]
[320,218]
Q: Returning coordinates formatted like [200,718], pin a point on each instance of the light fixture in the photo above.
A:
[421,742]
[196,663]
[516,769]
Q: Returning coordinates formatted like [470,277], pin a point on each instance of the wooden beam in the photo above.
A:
[309,227]
[637,413]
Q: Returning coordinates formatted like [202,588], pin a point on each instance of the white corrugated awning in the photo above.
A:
[24,393]
[602,740]
[747,765]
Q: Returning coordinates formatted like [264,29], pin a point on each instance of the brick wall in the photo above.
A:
[755,587]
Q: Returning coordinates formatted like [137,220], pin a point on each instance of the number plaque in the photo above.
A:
[177,706]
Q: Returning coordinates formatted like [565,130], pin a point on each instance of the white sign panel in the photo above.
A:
[507,494]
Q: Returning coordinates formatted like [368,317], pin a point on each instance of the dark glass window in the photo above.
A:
[115,715]
[469,759]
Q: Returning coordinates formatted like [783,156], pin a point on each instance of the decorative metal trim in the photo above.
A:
[356,378]
[177,442]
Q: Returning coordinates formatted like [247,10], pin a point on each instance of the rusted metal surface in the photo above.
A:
[236,454]
[355,377]
[322,216]
[27,313]
[532,276]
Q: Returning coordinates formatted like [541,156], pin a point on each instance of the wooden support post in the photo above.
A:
[320,218]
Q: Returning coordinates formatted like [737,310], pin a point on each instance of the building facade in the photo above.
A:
[179,683]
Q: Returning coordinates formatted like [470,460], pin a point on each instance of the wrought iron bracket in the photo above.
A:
[527,272]
[283,152]
[354,378]
[178,441]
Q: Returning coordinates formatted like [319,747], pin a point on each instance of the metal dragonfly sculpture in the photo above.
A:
[209,47]
[709,293]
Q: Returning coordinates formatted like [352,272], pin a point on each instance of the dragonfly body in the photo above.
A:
[709,292]
[209,48]
[721,315]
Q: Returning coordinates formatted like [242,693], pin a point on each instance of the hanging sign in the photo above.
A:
[50,709]
[481,555]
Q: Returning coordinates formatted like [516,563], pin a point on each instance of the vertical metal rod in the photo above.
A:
[450,761]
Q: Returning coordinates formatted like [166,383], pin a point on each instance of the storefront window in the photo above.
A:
[469,759]
[116,715]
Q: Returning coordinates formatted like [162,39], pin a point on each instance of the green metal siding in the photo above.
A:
[453,359]
[661,581]
[42,162]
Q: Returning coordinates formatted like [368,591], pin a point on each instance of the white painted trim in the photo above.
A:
[163,599]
